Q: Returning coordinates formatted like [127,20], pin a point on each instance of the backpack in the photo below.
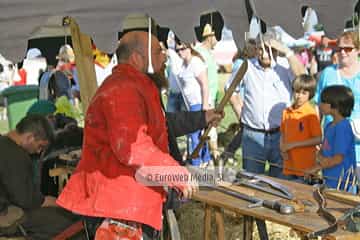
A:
[54,84]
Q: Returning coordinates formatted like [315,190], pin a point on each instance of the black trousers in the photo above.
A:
[47,222]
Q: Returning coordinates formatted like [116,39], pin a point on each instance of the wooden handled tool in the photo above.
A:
[219,108]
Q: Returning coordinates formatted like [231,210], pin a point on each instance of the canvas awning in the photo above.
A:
[102,19]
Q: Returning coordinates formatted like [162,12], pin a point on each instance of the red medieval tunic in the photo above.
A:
[125,128]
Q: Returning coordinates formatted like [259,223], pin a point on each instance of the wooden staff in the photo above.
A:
[84,62]
[219,108]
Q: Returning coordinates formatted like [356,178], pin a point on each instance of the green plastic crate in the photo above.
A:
[18,99]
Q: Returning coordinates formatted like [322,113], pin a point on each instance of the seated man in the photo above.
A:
[67,135]
[43,218]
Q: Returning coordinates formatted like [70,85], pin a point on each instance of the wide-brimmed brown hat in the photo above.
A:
[138,22]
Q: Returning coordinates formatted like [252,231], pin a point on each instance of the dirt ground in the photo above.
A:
[191,223]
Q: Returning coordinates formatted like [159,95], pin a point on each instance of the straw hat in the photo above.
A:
[208,31]
[211,23]
[66,54]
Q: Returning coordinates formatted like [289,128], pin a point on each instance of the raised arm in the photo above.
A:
[296,66]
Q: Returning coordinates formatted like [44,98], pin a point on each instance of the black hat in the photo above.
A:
[263,26]
[198,33]
[214,20]
[163,35]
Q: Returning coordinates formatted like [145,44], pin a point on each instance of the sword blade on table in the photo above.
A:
[276,188]
[224,188]
[263,189]
[256,202]
[219,108]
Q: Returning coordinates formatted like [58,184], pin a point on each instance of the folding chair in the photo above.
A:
[10,223]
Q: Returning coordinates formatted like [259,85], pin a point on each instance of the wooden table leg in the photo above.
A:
[62,180]
[248,227]
[219,224]
[207,222]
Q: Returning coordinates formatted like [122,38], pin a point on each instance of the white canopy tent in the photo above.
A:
[102,19]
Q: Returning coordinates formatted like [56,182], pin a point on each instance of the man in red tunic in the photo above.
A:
[125,130]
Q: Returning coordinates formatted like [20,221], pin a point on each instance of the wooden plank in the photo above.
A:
[207,222]
[84,63]
[343,197]
[219,219]
[55,172]
[63,174]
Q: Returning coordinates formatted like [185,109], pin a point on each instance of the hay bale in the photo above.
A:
[190,218]
[191,223]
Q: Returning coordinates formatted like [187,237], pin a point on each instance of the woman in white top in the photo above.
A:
[194,83]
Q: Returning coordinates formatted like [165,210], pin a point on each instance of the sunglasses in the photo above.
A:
[345,49]
[180,49]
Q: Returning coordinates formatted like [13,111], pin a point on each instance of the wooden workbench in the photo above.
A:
[304,222]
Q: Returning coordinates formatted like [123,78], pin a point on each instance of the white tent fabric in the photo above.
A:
[291,41]
[102,19]
[310,20]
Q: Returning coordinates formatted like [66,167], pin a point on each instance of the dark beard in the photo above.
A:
[159,79]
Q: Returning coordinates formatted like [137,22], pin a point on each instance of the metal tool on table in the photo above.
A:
[219,108]
[256,202]
[263,184]
[225,187]
[350,221]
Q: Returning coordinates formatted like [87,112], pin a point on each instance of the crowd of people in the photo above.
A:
[286,122]
[300,120]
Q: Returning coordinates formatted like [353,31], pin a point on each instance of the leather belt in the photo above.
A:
[265,131]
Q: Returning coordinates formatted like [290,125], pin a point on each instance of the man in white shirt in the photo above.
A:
[266,90]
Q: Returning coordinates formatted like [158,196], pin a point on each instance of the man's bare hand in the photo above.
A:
[312,172]
[213,117]
[275,44]
[189,190]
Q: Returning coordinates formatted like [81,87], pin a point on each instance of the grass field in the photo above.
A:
[229,116]
[228,119]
